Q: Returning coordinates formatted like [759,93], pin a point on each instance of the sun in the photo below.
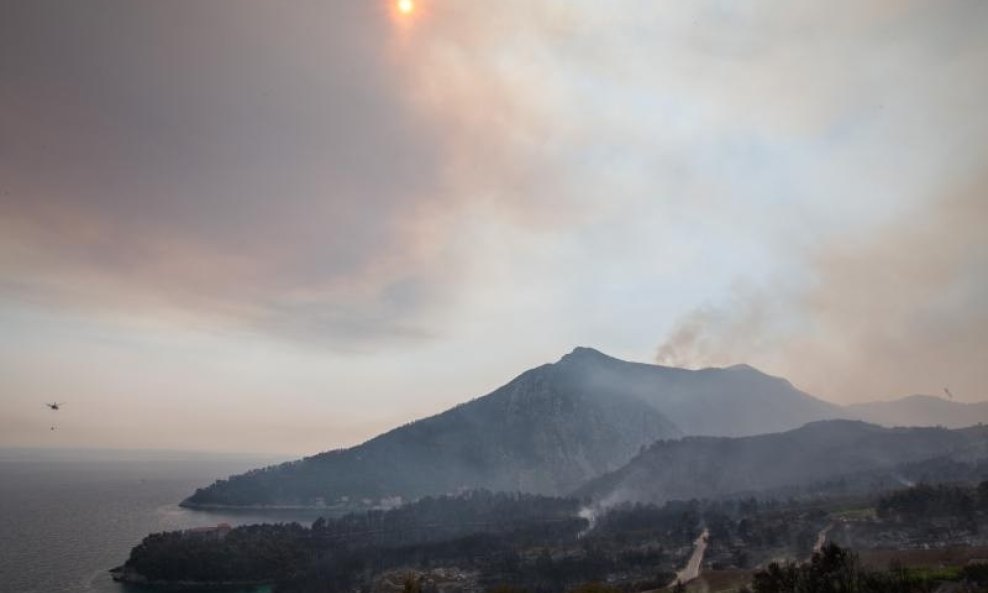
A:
[405,6]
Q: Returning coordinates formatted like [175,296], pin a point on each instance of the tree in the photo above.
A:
[412,585]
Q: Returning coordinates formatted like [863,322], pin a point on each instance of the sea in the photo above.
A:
[68,516]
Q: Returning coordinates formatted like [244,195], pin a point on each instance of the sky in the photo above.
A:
[236,225]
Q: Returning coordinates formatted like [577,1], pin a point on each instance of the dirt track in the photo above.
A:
[692,568]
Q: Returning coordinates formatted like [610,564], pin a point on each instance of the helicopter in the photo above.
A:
[55,405]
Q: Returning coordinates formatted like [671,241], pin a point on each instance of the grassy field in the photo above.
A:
[720,581]
[857,514]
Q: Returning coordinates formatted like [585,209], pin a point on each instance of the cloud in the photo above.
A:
[321,173]
[806,161]
[250,163]
[905,309]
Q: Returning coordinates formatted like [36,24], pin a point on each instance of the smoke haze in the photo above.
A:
[252,210]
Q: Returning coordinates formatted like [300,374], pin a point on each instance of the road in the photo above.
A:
[692,568]
[821,538]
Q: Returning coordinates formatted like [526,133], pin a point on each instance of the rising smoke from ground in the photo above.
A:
[890,313]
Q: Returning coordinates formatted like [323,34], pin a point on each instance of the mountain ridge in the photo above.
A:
[913,410]
[712,467]
[538,433]
[548,430]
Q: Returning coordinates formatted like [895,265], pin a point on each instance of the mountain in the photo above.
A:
[712,467]
[921,410]
[541,433]
[734,401]
[547,431]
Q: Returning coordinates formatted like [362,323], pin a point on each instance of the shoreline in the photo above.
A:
[121,574]
[336,510]
[229,507]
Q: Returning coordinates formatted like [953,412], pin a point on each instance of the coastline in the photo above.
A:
[192,506]
[121,574]
[330,510]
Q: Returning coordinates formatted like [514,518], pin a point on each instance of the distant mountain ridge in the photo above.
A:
[547,431]
[921,410]
[713,467]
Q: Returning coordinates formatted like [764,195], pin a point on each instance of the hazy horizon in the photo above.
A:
[278,455]
[244,227]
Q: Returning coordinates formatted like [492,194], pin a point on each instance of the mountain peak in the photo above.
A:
[742,367]
[585,354]
[586,351]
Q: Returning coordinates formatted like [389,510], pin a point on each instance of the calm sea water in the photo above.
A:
[67,517]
